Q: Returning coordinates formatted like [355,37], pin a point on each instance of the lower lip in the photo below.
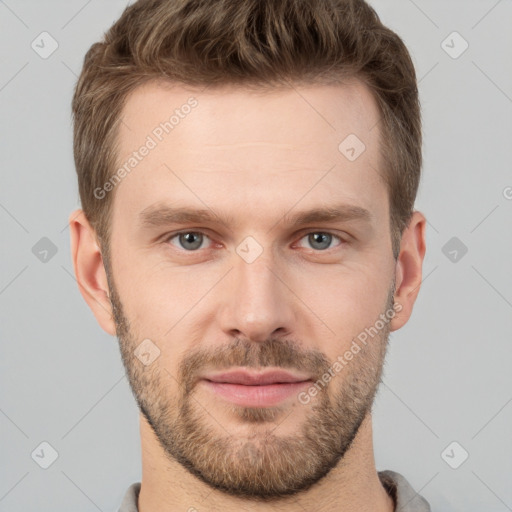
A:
[256,396]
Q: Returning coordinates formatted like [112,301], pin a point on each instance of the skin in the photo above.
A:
[299,305]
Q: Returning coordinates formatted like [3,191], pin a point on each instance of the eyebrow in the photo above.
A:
[158,215]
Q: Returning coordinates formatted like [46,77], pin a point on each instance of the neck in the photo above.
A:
[353,485]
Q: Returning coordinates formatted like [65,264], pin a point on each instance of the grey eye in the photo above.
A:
[189,240]
[320,240]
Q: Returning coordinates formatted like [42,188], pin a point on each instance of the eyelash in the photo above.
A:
[168,238]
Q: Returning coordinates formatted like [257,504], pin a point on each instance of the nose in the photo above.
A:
[257,303]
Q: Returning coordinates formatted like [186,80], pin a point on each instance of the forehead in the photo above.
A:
[294,111]
[237,147]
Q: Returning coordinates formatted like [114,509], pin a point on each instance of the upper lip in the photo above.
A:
[256,378]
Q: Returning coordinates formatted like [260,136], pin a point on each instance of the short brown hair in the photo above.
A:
[250,43]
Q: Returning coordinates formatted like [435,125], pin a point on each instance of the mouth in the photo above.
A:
[256,389]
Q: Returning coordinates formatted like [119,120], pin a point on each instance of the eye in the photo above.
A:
[321,240]
[192,241]
[188,240]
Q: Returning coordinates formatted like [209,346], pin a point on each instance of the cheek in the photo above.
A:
[347,301]
[167,305]
[155,294]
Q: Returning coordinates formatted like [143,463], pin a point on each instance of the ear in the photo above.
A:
[409,269]
[89,270]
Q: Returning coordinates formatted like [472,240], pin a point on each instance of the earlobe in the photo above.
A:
[409,269]
[90,271]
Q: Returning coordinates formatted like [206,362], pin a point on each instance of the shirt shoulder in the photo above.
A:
[405,497]
[130,500]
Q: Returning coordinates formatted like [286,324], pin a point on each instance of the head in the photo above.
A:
[290,133]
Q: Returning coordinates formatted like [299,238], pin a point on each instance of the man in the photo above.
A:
[282,141]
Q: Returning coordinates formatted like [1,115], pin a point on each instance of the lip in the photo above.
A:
[256,378]
[256,389]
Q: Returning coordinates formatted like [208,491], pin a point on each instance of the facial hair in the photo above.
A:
[263,466]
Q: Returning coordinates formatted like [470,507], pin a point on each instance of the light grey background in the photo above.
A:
[447,377]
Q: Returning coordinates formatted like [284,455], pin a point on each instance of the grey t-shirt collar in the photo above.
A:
[404,496]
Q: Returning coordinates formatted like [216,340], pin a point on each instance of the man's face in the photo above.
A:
[259,292]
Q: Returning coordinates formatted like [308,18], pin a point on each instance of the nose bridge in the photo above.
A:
[257,303]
